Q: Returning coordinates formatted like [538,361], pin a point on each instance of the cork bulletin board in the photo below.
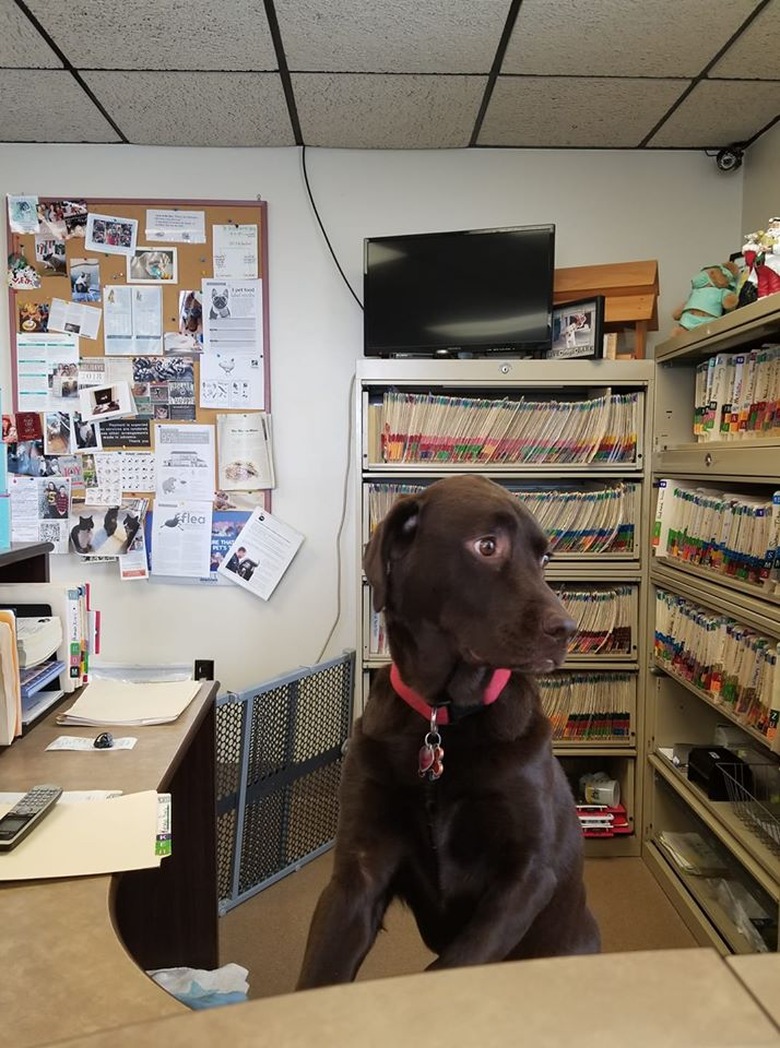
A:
[194,263]
[106,333]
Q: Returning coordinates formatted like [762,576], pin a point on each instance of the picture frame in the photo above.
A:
[578,330]
[111,234]
[152,265]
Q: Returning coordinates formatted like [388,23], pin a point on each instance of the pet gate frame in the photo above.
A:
[280,747]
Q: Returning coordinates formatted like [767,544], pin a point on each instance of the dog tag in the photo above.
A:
[437,767]
[431,758]
[425,760]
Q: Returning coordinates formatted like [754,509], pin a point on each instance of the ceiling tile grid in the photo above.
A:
[159,34]
[49,106]
[356,111]
[391,74]
[21,45]
[720,111]
[195,109]
[584,112]
[664,38]
[391,36]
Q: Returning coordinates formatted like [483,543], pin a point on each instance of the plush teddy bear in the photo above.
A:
[713,293]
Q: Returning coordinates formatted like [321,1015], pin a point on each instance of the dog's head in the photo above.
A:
[219,297]
[459,573]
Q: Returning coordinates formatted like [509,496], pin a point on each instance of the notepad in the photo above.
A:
[123,703]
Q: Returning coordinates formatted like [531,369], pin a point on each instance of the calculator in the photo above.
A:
[25,815]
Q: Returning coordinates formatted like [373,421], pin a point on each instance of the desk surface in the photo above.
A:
[64,970]
[684,998]
[760,973]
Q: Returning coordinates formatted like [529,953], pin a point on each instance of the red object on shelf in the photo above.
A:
[601,820]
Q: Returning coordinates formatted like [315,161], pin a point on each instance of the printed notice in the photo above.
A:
[47,371]
[132,320]
[181,542]
[261,554]
[233,317]
[235,252]
[185,463]
[74,317]
[244,451]
[176,227]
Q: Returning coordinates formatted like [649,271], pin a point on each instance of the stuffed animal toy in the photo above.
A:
[713,293]
[761,252]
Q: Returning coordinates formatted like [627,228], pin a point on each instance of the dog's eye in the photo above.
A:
[487,546]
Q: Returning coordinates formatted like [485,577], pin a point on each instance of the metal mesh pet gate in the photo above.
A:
[279,754]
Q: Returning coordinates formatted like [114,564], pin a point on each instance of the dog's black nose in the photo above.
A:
[559,626]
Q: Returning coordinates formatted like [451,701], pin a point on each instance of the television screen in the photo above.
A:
[474,291]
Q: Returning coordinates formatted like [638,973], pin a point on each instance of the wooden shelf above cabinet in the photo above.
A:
[630,291]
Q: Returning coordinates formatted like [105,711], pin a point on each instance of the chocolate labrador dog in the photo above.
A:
[451,798]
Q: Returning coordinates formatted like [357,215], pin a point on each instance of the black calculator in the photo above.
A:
[26,814]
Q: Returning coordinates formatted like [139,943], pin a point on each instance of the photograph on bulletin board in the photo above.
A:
[134,326]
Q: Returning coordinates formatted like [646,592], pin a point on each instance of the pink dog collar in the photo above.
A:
[495,686]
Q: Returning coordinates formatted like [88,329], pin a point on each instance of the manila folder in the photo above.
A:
[106,701]
[76,840]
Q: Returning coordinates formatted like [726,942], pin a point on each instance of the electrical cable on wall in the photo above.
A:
[336,620]
[322,227]
[349,426]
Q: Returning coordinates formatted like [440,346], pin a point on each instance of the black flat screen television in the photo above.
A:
[472,292]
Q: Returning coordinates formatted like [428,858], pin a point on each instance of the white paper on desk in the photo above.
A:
[76,840]
[77,742]
[106,701]
[67,797]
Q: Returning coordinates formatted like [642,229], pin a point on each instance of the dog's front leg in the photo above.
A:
[502,918]
[345,923]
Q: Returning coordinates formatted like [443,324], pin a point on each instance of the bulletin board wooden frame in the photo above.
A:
[195,263]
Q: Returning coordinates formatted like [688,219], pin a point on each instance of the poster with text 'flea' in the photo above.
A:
[261,554]
[181,541]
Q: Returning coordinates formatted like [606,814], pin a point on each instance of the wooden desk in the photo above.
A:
[72,951]
[674,998]
[760,973]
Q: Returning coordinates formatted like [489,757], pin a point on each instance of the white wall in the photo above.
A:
[607,206]
[762,181]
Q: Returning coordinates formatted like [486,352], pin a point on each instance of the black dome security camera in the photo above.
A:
[730,158]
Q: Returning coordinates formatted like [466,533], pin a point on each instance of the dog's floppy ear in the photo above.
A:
[391,537]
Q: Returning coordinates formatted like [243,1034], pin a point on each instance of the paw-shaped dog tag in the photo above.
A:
[431,759]
[437,765]
[426,758]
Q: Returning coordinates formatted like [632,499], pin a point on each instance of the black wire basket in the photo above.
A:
[756,799]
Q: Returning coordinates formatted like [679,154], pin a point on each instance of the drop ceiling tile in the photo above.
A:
[664,38]
[159,34]
[404,36]
[745,59]
[574,112]
[719,113]
[196,109]
[354,111]
[49,106]
[21,45]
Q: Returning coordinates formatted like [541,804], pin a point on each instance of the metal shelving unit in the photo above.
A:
[677,710]
[503,378]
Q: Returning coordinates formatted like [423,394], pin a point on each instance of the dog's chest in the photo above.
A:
[455,841]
